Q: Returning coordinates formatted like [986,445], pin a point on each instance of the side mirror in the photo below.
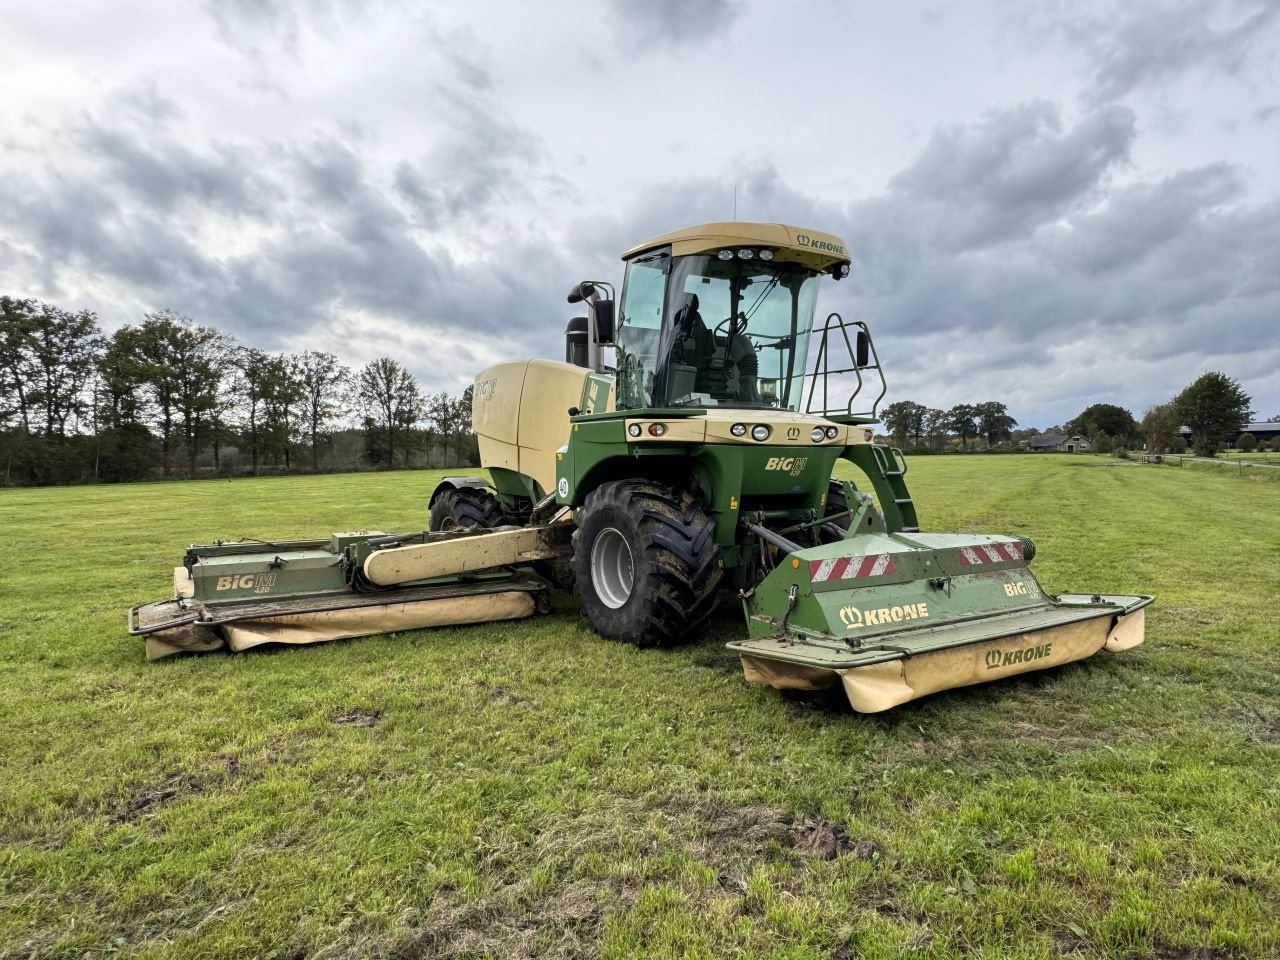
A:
[603,312]
[862,349]
[583,290]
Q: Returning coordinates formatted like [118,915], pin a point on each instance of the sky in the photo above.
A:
[1048,205]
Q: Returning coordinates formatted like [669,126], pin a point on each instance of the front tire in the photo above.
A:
[646,563]
[464,507]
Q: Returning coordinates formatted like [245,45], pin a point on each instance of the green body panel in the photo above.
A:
[874,596]
[730,479]
[513,487]
[886,468]
[240,576]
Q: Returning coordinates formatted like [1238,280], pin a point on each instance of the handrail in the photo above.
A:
[822,370]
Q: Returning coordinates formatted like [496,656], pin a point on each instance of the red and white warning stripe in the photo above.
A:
[851,568]
[979,554]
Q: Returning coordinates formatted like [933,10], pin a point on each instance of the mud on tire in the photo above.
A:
[465,507]
[646,563]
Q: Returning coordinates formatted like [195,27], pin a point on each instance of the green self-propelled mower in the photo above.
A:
[683,453]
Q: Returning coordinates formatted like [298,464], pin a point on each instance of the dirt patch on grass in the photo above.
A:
[357,717]
[512,921]
[1258,724]
[721,662]
[146,801]
[750,830]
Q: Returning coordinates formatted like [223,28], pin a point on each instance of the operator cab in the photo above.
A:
[706,330]
[720,315]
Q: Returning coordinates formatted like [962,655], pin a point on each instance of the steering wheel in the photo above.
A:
[737,325]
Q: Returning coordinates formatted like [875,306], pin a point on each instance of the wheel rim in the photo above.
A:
[612,568]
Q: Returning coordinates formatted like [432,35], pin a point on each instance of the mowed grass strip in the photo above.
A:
[529,789]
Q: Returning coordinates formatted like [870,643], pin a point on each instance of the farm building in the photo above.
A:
[1063,443]
[1264,431]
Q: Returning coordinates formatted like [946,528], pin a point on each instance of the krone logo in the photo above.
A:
[852,617]
[1005,658]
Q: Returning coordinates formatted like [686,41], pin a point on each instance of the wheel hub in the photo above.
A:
[612,568]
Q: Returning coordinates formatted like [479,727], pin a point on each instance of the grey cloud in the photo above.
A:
[1015,169]
[1080,274]
[243,24]
[671,23]
[257,28]
[331,242]
[1141,46]
[164,174]
[485,161]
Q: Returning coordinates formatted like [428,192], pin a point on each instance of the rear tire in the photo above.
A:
[837,502]
[464,507]
[646,563]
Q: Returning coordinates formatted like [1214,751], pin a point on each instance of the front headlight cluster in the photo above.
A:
[655,429]
[759,432]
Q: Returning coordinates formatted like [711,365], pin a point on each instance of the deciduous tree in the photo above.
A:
[1160,426]
[1213,406]
[994,421]
[325,383]
[962,420]
[391,400]
[1116,422]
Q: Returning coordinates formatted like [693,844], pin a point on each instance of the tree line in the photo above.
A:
[917,427]
[1214,407]
[170,397]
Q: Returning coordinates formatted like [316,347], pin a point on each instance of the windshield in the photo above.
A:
[703,332]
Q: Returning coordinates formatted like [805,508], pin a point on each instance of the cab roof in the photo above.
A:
[810,248]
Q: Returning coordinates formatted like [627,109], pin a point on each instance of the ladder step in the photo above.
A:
[901,500]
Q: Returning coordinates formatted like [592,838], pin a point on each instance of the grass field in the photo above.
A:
[531,790]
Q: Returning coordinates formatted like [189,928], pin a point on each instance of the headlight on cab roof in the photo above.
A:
[760,432]
[833,432]
[738,429]
[817,435]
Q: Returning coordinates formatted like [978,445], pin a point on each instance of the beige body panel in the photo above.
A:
[184,588]
[812,248]
[325,625]
[880,686]
[468,553]
[520,413]
[786,429]
[188,638]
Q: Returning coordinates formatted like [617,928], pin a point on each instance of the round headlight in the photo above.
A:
[657,429]
[634,429]
[817,434]
[746,254]
[760,432]
[766,254]
[844,269]
[832,432]
[725,254]
[738,429]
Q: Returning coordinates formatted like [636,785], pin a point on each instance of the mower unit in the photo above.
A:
[243,594]
[681,449]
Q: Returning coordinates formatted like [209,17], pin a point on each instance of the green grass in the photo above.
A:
[531,790]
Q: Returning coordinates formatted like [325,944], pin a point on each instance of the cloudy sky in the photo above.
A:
[1048,205]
